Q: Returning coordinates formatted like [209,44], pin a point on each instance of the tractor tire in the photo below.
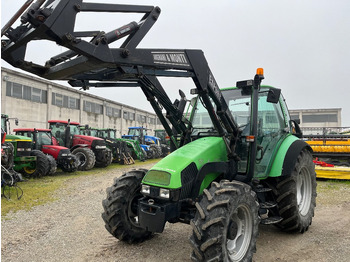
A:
[41,167]
[155,151]
[86,158]
[70,166]
[120,208]
[108,158]
[296,195]
[52,165]
[225,227]
[143,156]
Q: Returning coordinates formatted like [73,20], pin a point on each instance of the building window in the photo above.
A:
[65,101]
[26,92]
[126,115]
[152,121]
[294,117]
[110,111]
[320,118]
[93,107]
[141,118]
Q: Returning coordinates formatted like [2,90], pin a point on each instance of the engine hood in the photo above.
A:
[200,152]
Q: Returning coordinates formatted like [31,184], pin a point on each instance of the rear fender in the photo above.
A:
[287,155]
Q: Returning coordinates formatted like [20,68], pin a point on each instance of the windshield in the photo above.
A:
[74,130]
[238,104]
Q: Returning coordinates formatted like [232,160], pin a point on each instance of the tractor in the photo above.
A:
[90,151]
[125,145]
[58,156]
[150,144]
[118,149]
[31,163]
[164,141]
[237,160]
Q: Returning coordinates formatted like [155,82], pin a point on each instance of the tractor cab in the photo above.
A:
[40,136]
[273,126]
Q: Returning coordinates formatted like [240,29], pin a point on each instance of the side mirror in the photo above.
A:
[274,95]
[16,121]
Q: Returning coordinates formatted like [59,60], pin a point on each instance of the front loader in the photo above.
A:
[236,160]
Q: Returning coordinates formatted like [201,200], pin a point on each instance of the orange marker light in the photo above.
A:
[260,71]
[250,138]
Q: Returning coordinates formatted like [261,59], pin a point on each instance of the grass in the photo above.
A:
[40,191]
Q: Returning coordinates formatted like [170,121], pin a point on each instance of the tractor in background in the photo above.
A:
[58,156]
[164,141]
[31,163]
[133,146]
[90,151]
[150,144]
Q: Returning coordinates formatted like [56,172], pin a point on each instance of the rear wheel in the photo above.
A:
[40,167]
[52,165]
[225,227]
[121,208]
[296,195]
[86,158]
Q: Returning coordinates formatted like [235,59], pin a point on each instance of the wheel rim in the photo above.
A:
[29,170]
[133,208]
[304,191]
[81,159]
[239,233]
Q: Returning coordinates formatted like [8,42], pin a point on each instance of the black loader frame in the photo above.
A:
[96,64]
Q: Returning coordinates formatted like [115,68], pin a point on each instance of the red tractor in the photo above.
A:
[58,156]
[90,151]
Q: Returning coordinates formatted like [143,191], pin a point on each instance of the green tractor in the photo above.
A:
[121,145]
[237,160]
[31,163]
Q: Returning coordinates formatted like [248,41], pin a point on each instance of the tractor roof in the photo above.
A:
[32,129]
[63,122]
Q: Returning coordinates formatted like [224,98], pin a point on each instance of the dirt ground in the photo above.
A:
[71,229]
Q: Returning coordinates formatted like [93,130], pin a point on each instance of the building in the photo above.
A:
[34,101]
[330,117]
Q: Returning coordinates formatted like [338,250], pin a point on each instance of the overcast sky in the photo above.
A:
[303,45]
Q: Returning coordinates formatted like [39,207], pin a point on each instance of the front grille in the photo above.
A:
[24,148]
[188,176]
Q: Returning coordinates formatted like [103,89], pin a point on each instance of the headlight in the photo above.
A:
[164,193]
[64,154]
[100,147]
[145,189]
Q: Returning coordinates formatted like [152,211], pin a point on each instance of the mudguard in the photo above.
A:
[287,155]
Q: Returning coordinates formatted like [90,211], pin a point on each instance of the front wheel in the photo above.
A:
[86,158]
[121,208]
[296,195]
[52,165]
[225,227]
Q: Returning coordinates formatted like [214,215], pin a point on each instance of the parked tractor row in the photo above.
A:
[70,146]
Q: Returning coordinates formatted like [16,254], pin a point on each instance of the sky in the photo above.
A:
[303,46]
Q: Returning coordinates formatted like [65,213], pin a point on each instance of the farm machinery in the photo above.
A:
[90,151]
[150,144]
[236,161]
[58,156]
[127,146]
[31,163]
[119,149]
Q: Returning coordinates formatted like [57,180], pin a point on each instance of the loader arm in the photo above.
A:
[94,63]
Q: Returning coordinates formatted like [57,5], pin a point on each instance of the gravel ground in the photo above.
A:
[71,229]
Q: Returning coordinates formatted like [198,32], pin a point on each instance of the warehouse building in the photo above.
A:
[34,101]
[328,117]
